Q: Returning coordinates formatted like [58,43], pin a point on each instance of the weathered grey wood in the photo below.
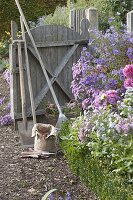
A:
[22,86]
[55,75]
[18,116]
[14,30]
[75,18]
[39,57]
[13,88]
[130,22]
[58,60]
[92,16]
[84,28]
[56,43]
[28,72]
[50,73]
[78,15]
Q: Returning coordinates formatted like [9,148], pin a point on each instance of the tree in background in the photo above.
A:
[32,10]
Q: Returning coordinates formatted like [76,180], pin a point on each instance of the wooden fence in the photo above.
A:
[76,17]
[59,48]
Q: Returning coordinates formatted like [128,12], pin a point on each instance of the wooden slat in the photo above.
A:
[14,30]
[56,73]
[59,43]
[68,94]
[13,88]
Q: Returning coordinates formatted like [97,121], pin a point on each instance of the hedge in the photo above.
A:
[32,10]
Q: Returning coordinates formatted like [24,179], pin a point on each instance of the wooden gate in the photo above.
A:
[59,48]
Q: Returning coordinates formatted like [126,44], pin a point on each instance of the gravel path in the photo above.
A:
[30,179]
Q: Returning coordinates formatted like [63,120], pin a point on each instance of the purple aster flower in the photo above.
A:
[130,53]
[112,97]
[111,19]
[125,126]
[116,52]
[101,61]
[85,103]
[121,74]
[130,40]
[6,119]
[2,100]
[113,83]
[114,72]
[91,40]
[68,196]
[51,196]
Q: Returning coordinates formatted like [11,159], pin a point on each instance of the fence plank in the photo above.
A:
[51,74]
[13,80]
[55,75]
[130,22]
[14,30]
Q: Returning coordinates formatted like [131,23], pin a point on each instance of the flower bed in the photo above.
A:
[99,148]
[99,144]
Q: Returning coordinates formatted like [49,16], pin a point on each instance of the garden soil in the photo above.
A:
[30,178]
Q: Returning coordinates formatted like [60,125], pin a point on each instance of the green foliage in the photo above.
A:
[4,48]
[31,8]
[59,17]
[104,10]
[121,8]
[3,64]
[99,148]
[92,170]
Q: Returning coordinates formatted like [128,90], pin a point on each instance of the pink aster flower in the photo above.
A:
[112,96]
[85,103]
[128,71]
[128,83]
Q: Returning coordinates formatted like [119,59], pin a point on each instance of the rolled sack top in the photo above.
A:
[44,137]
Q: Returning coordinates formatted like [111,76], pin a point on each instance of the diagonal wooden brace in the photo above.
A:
[56,73]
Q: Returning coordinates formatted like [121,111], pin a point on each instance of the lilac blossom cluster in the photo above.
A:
[7,76]
[101,69]
[6,119]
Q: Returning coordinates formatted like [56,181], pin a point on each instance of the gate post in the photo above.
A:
[130,21]
[76,17]
[92,16]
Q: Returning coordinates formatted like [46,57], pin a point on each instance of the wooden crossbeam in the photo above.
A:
[68,94]
[59,43]
[56,73]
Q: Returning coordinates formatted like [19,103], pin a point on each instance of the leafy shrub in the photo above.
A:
[4,48]
[3,64]
[99,147]
[121,8]
[109,8]
[59,17]
[92,170]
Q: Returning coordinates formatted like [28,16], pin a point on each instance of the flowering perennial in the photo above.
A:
[100,71]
